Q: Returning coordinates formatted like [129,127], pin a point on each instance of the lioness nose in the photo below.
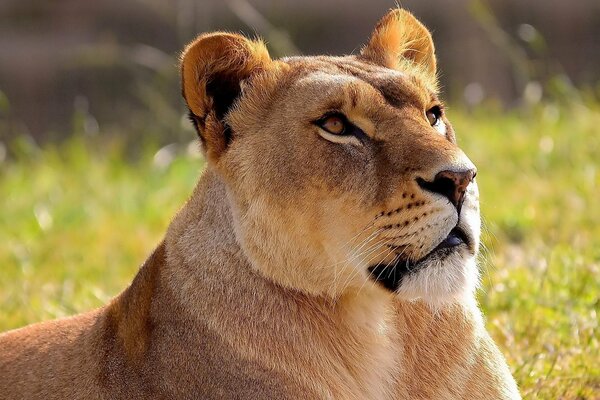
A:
[451,184]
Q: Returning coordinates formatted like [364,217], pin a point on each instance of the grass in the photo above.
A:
[77,221]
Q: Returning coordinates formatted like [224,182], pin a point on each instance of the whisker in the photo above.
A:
[372,254]
[369,225]
[390,251]
[355,254]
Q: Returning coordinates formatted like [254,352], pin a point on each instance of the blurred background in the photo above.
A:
[96,153]
[112,61]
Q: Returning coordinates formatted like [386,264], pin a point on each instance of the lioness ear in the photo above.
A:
[399,37]
[212,70]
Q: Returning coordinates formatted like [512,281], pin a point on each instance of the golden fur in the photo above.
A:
[264,286]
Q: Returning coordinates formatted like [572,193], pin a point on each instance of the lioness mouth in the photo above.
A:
[390,275]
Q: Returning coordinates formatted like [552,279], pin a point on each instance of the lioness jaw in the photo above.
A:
[328,250]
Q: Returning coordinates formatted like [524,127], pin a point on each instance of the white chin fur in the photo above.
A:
[441,282]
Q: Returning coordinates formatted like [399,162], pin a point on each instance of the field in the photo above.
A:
[76,221]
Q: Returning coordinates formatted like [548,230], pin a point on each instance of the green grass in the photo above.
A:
[77,221]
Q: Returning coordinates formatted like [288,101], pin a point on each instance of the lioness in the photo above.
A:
[328,250]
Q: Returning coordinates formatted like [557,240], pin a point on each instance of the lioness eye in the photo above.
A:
[336,128]
[333,124]
[433,115]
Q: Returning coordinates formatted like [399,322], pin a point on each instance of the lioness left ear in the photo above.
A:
[212,70]
[400,36]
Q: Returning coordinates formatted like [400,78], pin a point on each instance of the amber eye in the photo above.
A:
[433,115]
[333,124]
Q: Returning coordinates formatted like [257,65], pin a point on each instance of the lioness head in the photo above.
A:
[343,173]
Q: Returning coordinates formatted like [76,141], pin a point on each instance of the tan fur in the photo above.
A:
[261,287]
[400,41]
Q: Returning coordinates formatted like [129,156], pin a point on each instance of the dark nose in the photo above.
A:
[451,184]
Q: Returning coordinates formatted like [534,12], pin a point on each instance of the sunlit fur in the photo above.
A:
[325,230]
[261,288]
[455,277]
[403,46]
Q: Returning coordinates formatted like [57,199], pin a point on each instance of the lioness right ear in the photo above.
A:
[400,36]
[212,69]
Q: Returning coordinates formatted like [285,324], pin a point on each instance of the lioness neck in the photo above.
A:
[208,272]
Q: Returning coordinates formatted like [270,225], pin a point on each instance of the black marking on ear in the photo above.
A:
[224,89]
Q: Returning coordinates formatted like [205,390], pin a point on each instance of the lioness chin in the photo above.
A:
[328,250]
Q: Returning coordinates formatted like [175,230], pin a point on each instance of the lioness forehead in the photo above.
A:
[328,74]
